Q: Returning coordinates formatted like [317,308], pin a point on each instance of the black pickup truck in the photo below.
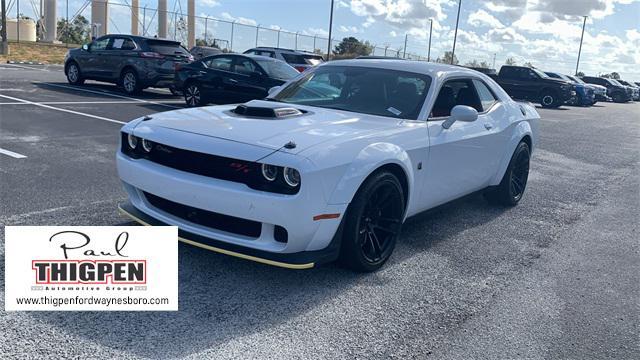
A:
[525,83]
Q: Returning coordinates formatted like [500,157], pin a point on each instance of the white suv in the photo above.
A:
[300,60]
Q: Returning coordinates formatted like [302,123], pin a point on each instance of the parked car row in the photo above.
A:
[553,89]
[202,75]
[206,74]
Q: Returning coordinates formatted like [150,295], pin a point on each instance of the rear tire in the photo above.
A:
[514,182]
[373,223]
[549,99]
[74,76]
[193,95]
[130,82]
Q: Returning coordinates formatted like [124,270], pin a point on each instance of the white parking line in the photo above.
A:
[12,154]
[63,110]
[25,67]
[109,94]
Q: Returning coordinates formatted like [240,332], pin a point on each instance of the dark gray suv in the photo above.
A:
[132,62]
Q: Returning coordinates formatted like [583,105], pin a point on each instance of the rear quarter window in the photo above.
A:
[167,48]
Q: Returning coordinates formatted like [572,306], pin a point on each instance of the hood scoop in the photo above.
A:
[266,110]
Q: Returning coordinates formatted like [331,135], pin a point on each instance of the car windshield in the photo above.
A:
[383,92]
[576,79]
[540,73]
[278,69]
[309,59]
[615,82]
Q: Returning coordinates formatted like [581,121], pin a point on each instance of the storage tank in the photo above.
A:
[27,29]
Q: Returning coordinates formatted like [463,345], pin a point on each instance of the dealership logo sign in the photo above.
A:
[91,268]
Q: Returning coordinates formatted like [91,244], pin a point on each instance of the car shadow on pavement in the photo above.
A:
[223,298]
[563,107]
[109,90]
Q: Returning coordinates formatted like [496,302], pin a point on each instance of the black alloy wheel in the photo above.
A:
[514,182]
[373,223]
[193,95]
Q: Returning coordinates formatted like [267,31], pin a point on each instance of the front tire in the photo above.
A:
[193,95]
[74,76]
[373,223]
[549,99]
[130,82]
[510,190]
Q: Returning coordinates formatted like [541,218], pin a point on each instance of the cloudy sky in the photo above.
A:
[543,32]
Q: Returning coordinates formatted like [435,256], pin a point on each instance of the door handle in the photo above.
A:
[233,81]
[488,126]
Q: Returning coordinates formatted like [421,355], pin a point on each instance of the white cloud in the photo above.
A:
[483,18]
[349,29]
[506,35]
[370,21]
[405,15]
[211,3]
[315,31]
[239,19]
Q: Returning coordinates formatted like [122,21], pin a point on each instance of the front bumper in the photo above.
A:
[296,261]
[307,237]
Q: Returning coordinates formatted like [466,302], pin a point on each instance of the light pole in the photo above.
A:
[455,35]
[233,23]
[330,26]
[257,32]
[404,51]
[584,23]
[430,33]
[4,48]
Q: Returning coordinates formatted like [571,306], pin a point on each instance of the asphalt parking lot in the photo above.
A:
[555,277]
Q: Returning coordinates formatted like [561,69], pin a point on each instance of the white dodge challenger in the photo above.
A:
[330,165]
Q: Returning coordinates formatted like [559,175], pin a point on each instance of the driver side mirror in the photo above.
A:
[274,89]
[85,47]
[461,113]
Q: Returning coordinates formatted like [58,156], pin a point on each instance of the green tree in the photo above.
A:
[510,61]
[77,32]
[528,64]
[446,58]
[351,47]
[613,75]
[580,74]
[474,63]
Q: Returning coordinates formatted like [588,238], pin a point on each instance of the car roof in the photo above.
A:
[138,37]
[421,67]
[283,49]
[250,56]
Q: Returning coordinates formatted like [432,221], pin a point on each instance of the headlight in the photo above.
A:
[269,172]
[291,177]
[147,145]
[132,141]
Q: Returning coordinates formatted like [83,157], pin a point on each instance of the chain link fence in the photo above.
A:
[74,28]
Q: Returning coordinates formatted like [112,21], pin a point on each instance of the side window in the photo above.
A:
[120,43]
[245,66]
[508,73]
[455,92]
[487,99]
[100,44]
[219,63]
[531,74]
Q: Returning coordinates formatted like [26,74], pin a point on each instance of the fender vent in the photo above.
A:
[265,112]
